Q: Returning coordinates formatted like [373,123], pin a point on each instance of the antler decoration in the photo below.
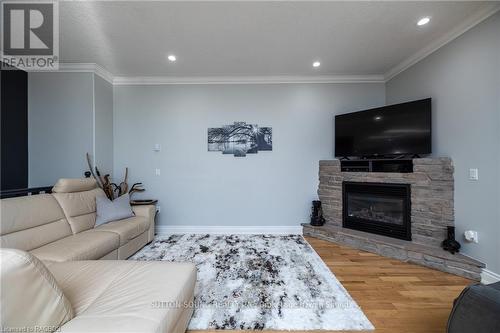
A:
[137,187]
[111,189]
[89,162]
[107,187]
[123,185]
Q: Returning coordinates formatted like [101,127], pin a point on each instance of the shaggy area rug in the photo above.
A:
[260,282]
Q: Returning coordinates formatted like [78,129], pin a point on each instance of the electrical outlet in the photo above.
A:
[157,172]
[157,147]
[471,236]
[158,209]
[473,174]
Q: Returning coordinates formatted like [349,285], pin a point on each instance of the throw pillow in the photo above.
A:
[108,210]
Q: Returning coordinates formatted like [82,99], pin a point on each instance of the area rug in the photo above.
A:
[260,282]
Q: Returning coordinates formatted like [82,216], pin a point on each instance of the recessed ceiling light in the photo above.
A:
[316,64]
[172,58]
[423,21]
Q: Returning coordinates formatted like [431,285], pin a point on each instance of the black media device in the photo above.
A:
[390,131]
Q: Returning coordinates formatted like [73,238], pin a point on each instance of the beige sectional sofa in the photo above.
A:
[105,295]
[60,226]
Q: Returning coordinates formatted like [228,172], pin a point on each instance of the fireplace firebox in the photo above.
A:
[383,209]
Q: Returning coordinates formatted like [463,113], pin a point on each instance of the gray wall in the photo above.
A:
[463,78]
[69,114]
[60,125]
[197,187]
[103,103]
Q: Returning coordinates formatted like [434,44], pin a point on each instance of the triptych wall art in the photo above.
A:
[240,139]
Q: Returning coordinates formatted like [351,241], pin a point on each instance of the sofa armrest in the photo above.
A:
[149,212]
[476,310]
[144,210]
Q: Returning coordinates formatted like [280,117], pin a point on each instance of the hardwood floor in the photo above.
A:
[396,297]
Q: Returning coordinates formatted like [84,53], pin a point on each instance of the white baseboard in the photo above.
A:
[162,230]
[488,277]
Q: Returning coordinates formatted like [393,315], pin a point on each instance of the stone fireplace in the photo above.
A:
[399,215]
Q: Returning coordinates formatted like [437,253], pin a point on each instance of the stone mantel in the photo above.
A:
[432,211]
[431,195]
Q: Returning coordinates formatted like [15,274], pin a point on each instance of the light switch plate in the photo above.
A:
[157,147]
[157,172]
[473,174]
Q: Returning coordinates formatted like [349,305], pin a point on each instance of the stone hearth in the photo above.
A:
[431,212]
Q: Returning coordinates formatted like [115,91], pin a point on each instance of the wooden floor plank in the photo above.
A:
[397,297]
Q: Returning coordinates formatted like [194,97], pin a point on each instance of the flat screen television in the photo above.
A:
[400,129]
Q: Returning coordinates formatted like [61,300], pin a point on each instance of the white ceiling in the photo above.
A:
[132,39]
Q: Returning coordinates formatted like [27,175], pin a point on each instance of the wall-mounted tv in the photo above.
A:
[394,130]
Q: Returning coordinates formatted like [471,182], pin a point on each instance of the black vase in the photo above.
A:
[450,244]
[317,218]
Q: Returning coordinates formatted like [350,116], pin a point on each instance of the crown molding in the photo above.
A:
[104,73]
[87,68]
[284,79]
[167,80]
[469,23]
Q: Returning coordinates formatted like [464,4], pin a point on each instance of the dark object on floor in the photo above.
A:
[477,310]
[317,218]
[450,244]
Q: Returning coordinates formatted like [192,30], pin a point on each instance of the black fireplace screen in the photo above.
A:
[378,208]
[375,208]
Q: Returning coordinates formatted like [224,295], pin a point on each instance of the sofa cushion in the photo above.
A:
[88,245]
[32,221]
[70,185]
[127,229]
[125,296]
[79,208]
[30,295]
[127,250]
